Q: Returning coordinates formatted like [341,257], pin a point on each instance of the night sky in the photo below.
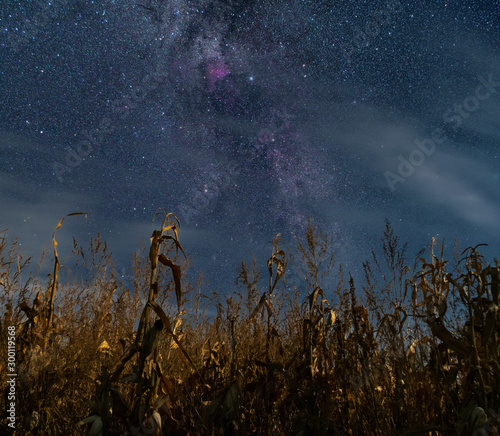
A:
[245,118]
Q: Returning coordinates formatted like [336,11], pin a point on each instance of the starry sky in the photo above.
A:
[245,118]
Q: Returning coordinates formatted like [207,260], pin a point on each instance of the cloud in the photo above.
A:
[461,184]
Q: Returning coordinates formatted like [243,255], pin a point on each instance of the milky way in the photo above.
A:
[246,119]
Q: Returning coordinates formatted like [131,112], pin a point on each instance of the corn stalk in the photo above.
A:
[57,266]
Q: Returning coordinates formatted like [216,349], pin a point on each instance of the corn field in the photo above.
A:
[414,350]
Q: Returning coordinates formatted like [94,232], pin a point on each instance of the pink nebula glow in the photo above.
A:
[216,70]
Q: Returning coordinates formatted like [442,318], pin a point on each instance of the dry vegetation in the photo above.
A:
[414,351]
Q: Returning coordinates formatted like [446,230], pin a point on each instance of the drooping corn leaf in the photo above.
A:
[176,272]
